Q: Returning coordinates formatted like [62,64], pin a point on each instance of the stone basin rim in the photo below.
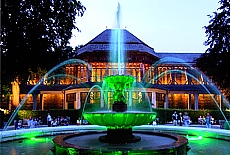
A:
[59,141]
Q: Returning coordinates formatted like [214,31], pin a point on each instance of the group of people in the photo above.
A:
[208,120]
[28,123]
[181,119]
[185,119]
[81,121]
[59,121]
[35,122]
[18,124]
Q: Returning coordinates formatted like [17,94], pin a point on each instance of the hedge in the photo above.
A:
[226,125]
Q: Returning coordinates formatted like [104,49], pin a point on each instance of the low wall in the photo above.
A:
[49,131]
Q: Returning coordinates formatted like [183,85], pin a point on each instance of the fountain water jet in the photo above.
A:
[71,61]
[117,54]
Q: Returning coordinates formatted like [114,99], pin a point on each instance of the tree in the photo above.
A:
[33,34]
[75,51]
[6,92]
[216,60]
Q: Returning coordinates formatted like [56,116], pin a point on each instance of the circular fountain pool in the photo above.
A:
[151,143]
[43,142]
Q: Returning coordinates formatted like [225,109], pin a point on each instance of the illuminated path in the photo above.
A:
[48,131]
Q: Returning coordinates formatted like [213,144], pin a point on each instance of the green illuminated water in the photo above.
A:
[120,120]
[119,83]
[209,146]
[42,145]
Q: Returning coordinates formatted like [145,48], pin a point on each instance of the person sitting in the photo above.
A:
[40,121]
[200,120]
[79,121]
[33,123]
[20,124]
[186,119]
[203,120]
[54,123]
[213,121]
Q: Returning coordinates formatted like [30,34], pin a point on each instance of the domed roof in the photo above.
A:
[103,40]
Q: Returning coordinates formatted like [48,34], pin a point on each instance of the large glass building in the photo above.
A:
[171,80]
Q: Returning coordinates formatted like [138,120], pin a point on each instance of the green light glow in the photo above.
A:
[119,83]
[31,135]
[118,120]
[194,137]
[71,151]
[40,139]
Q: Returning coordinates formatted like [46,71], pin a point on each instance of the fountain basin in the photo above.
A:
[119,124]
[119,120]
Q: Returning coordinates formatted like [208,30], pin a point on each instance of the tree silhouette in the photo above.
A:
[34,33]
[216,60]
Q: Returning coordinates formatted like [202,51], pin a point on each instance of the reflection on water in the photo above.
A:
[33,146]
[209,146]
[42,145]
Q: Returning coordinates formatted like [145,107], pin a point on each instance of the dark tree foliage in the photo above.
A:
[36,33]
[215,62]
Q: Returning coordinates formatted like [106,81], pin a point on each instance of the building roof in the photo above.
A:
[103,41]
[200,89]
[183,57]
[130,42]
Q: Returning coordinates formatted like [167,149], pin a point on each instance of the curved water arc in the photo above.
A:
[102,94]
[143,89]
[180,71]
[71,61]
[166,60]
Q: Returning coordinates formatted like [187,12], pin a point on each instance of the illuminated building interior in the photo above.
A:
[166,89]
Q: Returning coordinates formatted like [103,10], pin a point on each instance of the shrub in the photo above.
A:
[226,125]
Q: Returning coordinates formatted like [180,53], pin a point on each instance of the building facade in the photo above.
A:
[171,80]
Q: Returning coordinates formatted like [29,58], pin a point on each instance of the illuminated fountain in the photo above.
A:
[120,119]
[116,116]
[119,115]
